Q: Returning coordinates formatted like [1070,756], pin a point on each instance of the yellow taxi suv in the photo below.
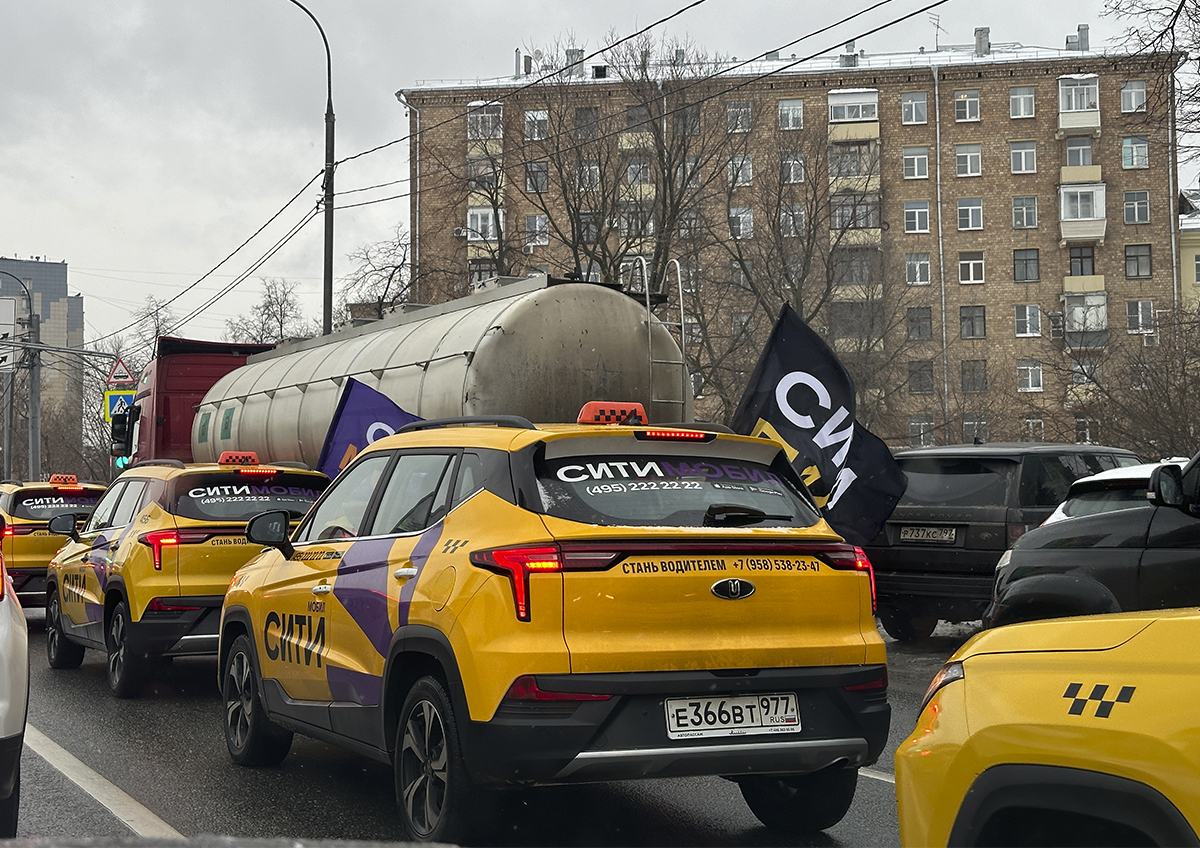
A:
[1074,731]
[145,577]
[27,543]
[485,603]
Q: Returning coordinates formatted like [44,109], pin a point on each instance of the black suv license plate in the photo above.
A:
[938,535]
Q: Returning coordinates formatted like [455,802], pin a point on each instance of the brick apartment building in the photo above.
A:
[985,233]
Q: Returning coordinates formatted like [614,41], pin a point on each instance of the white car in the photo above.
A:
[1117,488]
[14,701]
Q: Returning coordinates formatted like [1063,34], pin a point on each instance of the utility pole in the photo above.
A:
[34,364]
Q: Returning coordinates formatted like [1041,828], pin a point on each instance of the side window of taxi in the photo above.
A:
[417,494]
[341,511]
[102,515]
[129,504]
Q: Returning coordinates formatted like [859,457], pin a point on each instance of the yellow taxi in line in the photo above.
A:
[146,576]
[1074,731]
[28,545]
[483,602]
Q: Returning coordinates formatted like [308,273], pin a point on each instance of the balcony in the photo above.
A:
[856,131]
[1084,283]
[1079,174]
[1082,230]
[867,184]
[635,140]
[1078,123]
[1086,338]
[867,236]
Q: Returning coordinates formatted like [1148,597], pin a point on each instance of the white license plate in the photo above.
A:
[941,535]
[740,715]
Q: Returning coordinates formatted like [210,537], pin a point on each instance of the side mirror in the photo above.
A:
[63,524]
[272,530]
[1166,486]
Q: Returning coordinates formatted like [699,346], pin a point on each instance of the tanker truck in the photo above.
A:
[537,346]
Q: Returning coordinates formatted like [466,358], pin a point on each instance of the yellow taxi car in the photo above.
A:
[27,544]
[483,602]
[146,576]
[1074,731]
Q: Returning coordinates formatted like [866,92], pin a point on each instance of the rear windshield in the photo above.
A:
[671,491]
[44,504]
[957,481]
[231,496]
[1046,478]
[1105,500]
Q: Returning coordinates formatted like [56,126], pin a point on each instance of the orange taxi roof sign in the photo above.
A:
[238,458]
[612,412]
[64,479]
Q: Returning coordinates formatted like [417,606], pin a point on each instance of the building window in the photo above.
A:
[916,216]
[481,224]
[966,105]
[920,323]
[850,319]
[1035,428]
[695,335]
[537,229]
[742,324]
[481,174]
[1028,320]
[1135,152]
[587,122]
[1139,316]
[920,431]
[968,159]
[1024,157]
[1024,213]
[479,270]
[1137,207]
[975,430]
[1078,95]
[635,219]
[737,116]
[691,223]
[741,274]
[855,266]
[916,163]
[1079,151]
[791,168]
[741,170]
[537,177]
[1197,280]
[589,176]
[916,269]
[974,376]
[970,213]
[791,114]
[1083,431]
[1029,379]
[637,170]
[1083,370]
[1083,204]
[913,108]
[1133,96]
[637,118]
[1086,313]
[920,377]
[1025,265]
[791,221]
[485,120]
[970,266]
[852,159]
[687,120]
[1083,261]
[1020,102]
[973,320]
[589,227]
[855,212]
[741,222]
[537,124]
[1137,260]
[849,106]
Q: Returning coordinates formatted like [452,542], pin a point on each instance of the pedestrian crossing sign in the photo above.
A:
[116,402]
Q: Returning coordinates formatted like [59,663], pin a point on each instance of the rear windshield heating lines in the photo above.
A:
[614,470]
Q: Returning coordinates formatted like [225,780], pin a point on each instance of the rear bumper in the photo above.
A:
[948,579]
[30,586]
[178,633]
[625,737]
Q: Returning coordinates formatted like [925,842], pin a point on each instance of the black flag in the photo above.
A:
[801,395]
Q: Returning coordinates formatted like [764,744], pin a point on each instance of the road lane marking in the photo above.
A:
[877,775]
[132,814]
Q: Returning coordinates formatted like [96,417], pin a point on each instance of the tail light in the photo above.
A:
[22,530]
[159,605]
[1016,531]
[879,682]
[157,540]
[525,688]
[517,564]
[255,471]
[852,559]
[675,435]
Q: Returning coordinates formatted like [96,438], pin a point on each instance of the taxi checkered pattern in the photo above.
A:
[615,415]
[1104,706]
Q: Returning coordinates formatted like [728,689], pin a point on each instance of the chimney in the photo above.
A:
[1084,43]
[517,63]
[574,57]
[848,60]
[983,41]
[773,56]
[680,57]
[850,46]
[528,65]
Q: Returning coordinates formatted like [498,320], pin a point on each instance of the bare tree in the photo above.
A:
[277,316]
[382,276]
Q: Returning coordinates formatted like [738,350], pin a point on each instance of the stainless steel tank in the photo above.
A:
[533,347]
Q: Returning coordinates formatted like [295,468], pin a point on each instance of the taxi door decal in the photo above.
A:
[420,556]
[98,559]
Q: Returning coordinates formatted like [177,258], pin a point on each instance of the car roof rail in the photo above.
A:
[14,482]
[290,463]
[514,421]
[171,463]
[706,426]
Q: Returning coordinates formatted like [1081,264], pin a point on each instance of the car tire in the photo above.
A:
[251,737]
[907,626]
[61,652]
[801,804]
[126,671]
[438,800]
[9,808]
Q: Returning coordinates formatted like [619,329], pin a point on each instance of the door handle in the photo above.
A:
[322,589]
[404,573]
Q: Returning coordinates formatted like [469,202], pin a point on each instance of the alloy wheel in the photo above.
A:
[424,767]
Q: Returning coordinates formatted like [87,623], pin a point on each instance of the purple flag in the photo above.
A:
[363,415]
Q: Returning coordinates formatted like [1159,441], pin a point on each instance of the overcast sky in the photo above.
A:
[141,141]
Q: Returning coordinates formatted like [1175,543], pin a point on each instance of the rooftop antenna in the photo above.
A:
[937,28]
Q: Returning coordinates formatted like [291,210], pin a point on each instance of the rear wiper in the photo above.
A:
[733,515]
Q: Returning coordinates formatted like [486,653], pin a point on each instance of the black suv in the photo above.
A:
[1144,558]
[965,504]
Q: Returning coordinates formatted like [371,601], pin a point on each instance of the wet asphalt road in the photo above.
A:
[166,750]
